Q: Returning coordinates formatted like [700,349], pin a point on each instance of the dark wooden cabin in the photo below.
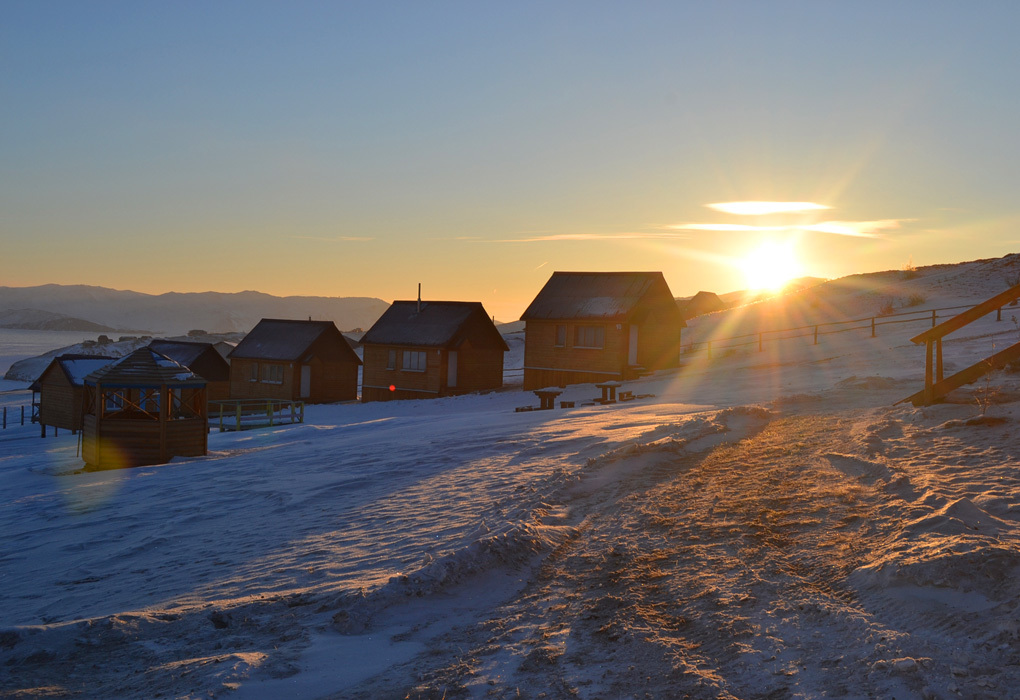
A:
[426,349]
[598,326]
[201,358]
[60,389]
[143,409]
[289,360]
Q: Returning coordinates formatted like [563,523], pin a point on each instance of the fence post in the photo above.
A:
[269,412]
[22,415]
[816,335]
[238,415]
[872,326]
[933,318]
[759,342]
[5,418]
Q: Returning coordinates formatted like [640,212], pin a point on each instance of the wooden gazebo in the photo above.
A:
[143,409]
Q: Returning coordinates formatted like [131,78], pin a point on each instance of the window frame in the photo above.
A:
[590,337]
[414,361]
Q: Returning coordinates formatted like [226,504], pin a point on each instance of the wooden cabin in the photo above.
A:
[586,327]
[143,409]
[289,360]
[201,358]
[426,349]
[60,388]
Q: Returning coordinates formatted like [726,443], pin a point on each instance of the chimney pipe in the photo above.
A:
[419,297]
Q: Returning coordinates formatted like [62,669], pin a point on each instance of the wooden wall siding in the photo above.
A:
[132,443]
[332,380]
[59,402]
[477,370]
[218,390]
[375,378]
[659,343]
[541,353]
[242,388]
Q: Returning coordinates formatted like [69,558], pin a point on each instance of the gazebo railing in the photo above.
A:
[246,414]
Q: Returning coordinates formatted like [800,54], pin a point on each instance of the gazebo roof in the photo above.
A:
[144,368]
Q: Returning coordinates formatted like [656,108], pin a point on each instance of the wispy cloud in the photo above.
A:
[334,239]
[542,265]
[761,208]
[858,229]
[653,235]
[862,229]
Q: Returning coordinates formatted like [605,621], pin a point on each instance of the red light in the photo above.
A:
[392,387]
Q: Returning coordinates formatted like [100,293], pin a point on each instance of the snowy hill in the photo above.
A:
[175,313]
[36,320]
[761,524]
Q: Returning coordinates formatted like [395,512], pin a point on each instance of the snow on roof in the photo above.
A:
[77,367]
[430,324]
[283,339]
[592,295]
[143,367]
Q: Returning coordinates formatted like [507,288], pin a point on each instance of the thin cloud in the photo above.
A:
[593,237]
[860,229]
[541,266]
[335,239]
[725,227]
[761,208]
[857,229]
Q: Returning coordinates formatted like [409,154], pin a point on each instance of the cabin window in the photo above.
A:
[272,374]
[114,402]
[253,376]
[391,359]
[148,400]
[561,336]
[589,337]
[414,360]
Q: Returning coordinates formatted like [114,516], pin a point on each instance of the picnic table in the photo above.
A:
[547,397]
[608,391]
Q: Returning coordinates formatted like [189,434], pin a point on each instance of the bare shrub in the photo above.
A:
[914,300]
[908,271]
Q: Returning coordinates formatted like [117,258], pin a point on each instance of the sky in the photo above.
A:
[360,148]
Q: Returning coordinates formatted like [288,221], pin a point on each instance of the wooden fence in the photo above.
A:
[814,331]
[245,414]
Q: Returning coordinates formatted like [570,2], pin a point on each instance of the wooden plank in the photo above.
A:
[960,320]
[966,376]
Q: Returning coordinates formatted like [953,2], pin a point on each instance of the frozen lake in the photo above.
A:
[18,345]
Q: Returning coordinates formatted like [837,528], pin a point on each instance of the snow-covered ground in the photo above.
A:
[767,525]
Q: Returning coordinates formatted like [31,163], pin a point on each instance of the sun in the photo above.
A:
[771,266]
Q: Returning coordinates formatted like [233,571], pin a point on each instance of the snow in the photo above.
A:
[769,524]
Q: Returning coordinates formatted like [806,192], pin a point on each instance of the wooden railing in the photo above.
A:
[814,331]
[245,414]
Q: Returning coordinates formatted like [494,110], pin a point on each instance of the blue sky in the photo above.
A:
[356,149]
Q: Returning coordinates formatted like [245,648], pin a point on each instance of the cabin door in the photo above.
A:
[306,382]
[632,349]
[451,370]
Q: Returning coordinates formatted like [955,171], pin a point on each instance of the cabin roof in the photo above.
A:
[76,367]
[181,351]
[144,367]
[593,295]
[432,324]
[202,358]
[284,339]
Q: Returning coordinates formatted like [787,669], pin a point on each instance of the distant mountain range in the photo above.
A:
[36,320]
[87,308]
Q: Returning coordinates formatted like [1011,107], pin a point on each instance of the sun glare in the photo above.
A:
[771,266]
[762,208]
